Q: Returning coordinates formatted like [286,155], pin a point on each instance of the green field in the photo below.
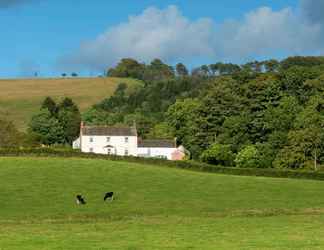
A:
[155,208]
[21,98]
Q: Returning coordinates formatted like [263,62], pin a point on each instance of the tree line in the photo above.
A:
[260,114]
[265,114]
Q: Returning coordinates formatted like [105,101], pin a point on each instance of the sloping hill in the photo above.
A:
[155,208]
[20,98]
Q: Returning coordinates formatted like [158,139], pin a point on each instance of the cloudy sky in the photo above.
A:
[55,36]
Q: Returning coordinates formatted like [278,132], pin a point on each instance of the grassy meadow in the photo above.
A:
[20,98]
[154,208]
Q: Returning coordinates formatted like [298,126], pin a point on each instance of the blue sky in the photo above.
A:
[55,36]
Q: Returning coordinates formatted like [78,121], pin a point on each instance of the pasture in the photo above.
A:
[154,208]
[21,98]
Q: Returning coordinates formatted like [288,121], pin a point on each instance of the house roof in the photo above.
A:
[108,131]
[156,144]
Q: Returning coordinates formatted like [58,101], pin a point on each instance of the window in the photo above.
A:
[91,150]
[109,151]
[126,152]
[91,139]
[108,139]
[126,139]
[161,157]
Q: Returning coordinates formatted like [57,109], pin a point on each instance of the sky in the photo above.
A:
[52,37]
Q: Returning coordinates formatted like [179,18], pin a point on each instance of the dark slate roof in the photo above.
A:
[109,131]
[156,144]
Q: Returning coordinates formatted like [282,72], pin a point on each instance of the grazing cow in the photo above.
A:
[80,200]
[109,195]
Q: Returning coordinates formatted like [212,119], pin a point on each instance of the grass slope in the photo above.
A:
[20,98]
[155,208]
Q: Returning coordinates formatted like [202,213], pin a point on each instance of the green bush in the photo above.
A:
[218,154]
[248,157]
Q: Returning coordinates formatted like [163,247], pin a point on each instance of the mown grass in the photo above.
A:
[155,208]
[20,98]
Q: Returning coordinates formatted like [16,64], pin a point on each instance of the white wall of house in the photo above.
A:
[76,144]
[121,145]
[156,152]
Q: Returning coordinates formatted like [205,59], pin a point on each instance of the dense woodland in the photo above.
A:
[266,114]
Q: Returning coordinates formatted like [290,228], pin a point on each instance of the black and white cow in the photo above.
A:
[109,196]
[80,200]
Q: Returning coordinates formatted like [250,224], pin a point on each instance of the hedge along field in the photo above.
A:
[155,208]
[21,98]
[190,165]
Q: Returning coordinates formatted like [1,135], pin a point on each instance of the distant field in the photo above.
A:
[20,98]
[155,208]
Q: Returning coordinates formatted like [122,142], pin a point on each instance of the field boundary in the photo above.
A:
[189,165]
[256,213]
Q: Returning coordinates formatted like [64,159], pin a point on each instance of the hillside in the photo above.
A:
[20,98]
[155,208]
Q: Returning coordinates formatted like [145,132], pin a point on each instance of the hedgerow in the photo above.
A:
[191,165]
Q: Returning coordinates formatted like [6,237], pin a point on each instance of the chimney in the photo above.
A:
[133,127]
[81,127]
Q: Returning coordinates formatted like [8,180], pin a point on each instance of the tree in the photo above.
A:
[218,154]
[70,118]
[281,117]
[181,70]
[161,130]
[248,157]
[254,66]
[303,61]
[224,68]
[197,72]
[97,116]
[67,103]
[278,120]
[205,70]
[271,65]
[158,71]
[64,75]
[50,105]
[116,101]
[185,120]
[144,123]
[47,128]
[70,122]
[74,74]
[235,131]
[56,124]
[220,101]
[127,67]
[306,140]
[293,81]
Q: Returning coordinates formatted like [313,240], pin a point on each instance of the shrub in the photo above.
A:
[218,154]
[248,157]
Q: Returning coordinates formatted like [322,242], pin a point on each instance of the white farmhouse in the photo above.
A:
[108,140]
[123,141]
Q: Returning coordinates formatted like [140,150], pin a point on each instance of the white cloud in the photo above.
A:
[265,32]
[170,36]
[164,34]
